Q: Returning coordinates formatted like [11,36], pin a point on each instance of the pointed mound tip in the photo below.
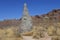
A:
[25,4]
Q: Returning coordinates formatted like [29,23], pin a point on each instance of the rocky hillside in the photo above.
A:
[50,17]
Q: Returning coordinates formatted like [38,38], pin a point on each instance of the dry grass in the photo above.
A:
[58,31]
[10,38]
[38,32]
[9,34]
[51,30]
[55,37]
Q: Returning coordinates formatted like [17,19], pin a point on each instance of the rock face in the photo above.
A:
[26,22]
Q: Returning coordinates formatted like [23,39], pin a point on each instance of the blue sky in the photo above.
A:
[11,9]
